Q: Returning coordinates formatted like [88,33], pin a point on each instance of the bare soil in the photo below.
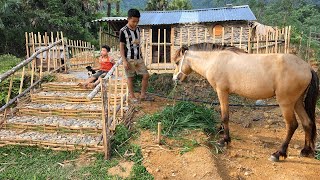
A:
[256,134]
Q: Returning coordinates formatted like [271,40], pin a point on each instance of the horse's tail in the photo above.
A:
[310,104]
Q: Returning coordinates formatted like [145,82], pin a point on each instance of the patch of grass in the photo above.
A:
[121,147]
[184,115]
[7,62]
[189,145]
[20,162]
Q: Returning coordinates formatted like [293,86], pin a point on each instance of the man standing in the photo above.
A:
[131,55]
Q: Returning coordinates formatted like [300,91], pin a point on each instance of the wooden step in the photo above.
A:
[63,97]
[62,109]
[55,124]
[53,141]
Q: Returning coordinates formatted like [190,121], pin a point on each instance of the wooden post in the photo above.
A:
[188,36]
[23,69]
[165,49]
[258,37]
[171,42]
[241,30]
[151,47]
[46,43]
[285,40]
[59,52]
[289,35]
[197,39]
[267,44]
[249,41]
[159,49]
[222,40]
[33,61]
[159,133]
[232,34]
[115,93]
[180,37]
[143,48]
[205,34]
[214,35]
[64,52]
[276,41]
[122,93]
[105,125]
[41,55]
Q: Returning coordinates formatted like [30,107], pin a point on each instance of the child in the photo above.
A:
[106,62]
[130,51]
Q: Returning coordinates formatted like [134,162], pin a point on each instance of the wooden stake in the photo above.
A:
[276,39]
[33,61]
[105,125]
[41,55]
[205,34]
[222,40]
[159,133]
[249,41]
[9,94]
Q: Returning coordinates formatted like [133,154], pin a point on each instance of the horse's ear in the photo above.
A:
[183,49]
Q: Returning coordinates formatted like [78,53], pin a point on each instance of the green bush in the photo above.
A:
[7,62]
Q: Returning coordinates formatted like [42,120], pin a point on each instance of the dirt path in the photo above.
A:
[256,134]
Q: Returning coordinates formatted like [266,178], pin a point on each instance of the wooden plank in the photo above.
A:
[205,34]
[172,43]
[188,36]
[222,39]
[64,51]
[267,44]
[150,44]
[34,60]
[249,40]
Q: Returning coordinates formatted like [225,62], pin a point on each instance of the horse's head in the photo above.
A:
[182,67]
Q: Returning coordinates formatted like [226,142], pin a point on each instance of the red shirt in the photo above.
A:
[105,63]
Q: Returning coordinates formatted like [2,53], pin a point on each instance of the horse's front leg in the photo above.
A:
[224,105]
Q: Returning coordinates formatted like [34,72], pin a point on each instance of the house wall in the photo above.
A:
[186,34]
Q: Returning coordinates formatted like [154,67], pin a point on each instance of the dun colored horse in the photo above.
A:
[257,76]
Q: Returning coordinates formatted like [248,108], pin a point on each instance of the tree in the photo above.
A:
[157,5]
[179,5]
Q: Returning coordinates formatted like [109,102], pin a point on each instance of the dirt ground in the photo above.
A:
[256,134]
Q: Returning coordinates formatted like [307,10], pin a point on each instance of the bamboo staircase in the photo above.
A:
[60,117]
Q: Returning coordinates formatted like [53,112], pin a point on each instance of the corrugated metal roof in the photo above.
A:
[232,13]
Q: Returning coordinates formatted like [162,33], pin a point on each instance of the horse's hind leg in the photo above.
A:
[224,105]
[291,126]
[304,118]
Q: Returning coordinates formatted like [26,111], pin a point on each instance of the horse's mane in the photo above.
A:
[214,47]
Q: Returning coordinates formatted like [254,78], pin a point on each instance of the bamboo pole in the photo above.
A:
[165,48]
[205,34]
[9,94]
[151,49]
[285,39]
[258,39]
[188,36]
[64,52]
[197,34]
[115,93]
[53,53]
[46,43]
[105,125]
[241,30]
[41,55]
[222,40]
[276,38]
[33,61]
[249,40]
[59,52]
[232,36]
[180,37]
[214,35]
[172,42]
[289,36]
[267,44]
[158,49]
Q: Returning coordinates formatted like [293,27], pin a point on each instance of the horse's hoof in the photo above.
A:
[274,158]
[306,152]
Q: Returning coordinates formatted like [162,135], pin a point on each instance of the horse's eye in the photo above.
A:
[177,63]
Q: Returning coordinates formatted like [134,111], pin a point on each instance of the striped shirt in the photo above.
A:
[131,39]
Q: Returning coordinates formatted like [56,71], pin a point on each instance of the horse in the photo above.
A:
[230,70]
[260,29]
